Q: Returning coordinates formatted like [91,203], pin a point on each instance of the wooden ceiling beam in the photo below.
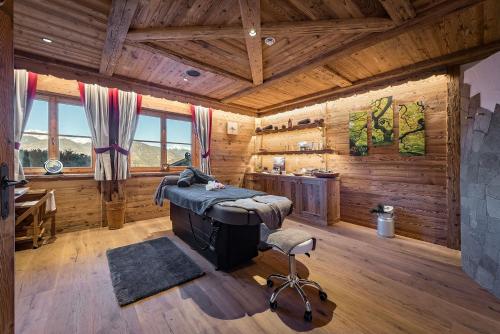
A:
[119,20]
[276,29]
[189,33]
[50,66]
[399,10]
[250,17]
[323,27]
[416,70]
[430,16]
[155,49]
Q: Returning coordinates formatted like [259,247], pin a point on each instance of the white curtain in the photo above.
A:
[129,105]
[24,94]
[202,123]
[96,102]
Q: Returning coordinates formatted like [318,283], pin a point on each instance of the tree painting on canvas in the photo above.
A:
[382,115]
[412,129]
[358,134]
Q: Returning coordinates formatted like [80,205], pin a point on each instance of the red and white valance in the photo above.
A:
[24,95]
[202,123]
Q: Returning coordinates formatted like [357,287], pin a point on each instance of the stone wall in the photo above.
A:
[480,193]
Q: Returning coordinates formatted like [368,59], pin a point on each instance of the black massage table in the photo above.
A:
[226,236]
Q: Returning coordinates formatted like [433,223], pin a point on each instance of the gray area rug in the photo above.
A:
[146,268]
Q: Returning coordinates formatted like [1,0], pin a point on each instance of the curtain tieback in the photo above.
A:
[206,154]
[17,145]
[116,147]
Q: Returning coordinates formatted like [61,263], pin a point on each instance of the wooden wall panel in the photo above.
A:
[231,154]
[416,186]
[79,205]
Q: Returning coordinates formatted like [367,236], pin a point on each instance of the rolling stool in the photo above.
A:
[284,241]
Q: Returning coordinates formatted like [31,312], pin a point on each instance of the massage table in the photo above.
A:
[226,236]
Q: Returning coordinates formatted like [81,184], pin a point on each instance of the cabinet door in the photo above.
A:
[269,184]
[313,199]
[290,188]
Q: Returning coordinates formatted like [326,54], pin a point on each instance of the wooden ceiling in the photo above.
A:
[323,48]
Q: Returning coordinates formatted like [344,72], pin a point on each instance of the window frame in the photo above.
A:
[30,170]
[53,137]
[164,115]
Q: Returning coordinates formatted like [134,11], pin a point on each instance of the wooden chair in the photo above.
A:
[31,215]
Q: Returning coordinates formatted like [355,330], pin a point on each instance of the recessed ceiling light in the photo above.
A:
[270,40]
[193,73]
[252,33]
[47,40]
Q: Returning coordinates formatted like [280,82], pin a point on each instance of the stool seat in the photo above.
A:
[303,248]
[288,241]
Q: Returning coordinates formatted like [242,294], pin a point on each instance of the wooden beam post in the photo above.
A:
[120,17]
[250,16]
[453,158]
[7,156]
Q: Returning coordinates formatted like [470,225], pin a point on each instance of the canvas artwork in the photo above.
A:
[412,129]
[358,134]
[382,127]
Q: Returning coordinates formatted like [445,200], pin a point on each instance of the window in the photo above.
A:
[146,147]
[75,141]
[161,139]
[178,142]
[57,128]
[35,142]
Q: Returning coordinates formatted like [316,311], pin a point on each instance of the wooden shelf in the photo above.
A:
[293,128]
[328,150]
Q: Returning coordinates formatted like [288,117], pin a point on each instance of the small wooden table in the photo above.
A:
[31,209]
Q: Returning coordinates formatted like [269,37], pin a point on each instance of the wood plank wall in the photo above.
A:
[78,199]
[416,186]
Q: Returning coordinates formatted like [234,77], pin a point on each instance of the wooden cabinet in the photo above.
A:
[315,200]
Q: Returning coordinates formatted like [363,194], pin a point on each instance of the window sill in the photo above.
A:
[87,176]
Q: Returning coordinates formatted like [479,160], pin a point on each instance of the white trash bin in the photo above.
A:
[385,222]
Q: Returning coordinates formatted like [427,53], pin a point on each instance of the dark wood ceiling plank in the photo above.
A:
[399,10]
[119,20]
[155,49]
[382,79]
[428,17]
[250,17]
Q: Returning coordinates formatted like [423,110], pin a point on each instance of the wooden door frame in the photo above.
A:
[7,155]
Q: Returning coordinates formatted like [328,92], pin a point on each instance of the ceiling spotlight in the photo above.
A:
[252,33]
[46,40]
[193,73]
[270,40]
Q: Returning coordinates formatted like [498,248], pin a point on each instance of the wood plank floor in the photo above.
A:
[374,286]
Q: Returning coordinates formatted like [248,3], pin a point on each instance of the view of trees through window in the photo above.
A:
[147,146]
[73,142]
[178,142]
[35,142]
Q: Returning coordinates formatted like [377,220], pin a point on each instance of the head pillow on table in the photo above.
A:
[192,175]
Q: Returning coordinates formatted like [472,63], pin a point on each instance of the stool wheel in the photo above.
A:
[270,283]
[273,305]
[323,296]
[308,316]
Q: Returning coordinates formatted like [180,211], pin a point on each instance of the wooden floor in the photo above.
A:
[374,286]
